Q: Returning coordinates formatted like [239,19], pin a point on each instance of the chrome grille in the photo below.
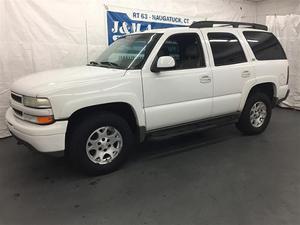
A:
[18,112]
[17,98]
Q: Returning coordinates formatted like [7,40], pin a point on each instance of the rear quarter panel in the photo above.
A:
[271,71]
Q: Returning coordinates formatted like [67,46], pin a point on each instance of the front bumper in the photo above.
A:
[44,138]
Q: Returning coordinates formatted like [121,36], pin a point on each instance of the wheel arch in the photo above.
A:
[123,109]
[269,88]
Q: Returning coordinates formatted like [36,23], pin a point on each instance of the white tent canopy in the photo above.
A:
[287,29]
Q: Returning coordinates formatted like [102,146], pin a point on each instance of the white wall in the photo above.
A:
[278,7]
[283,19]
[37,35]
[210,9]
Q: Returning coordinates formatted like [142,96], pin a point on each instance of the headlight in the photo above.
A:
[33,102]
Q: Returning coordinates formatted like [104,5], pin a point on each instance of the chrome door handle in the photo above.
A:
[205,79]
[246,74]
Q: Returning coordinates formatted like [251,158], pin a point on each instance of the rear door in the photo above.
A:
[231,68]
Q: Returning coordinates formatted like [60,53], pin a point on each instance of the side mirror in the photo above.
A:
[163,63]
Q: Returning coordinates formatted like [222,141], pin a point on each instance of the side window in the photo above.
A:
[265,46]
[186,49]
[226,49]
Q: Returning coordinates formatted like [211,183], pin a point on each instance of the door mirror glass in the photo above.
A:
[165,62]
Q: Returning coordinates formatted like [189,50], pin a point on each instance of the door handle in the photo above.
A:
[246,74]
[205,79]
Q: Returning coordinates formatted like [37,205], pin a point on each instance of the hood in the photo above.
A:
[52,80]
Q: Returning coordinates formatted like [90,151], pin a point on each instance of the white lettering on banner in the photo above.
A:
[125,28]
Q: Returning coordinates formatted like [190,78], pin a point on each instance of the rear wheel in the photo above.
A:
[256,114]
[100,144]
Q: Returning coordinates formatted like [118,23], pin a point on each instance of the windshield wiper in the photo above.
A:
[93,63]
[111,64]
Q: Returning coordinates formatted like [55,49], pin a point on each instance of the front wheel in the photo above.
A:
[256,114]
[100,143]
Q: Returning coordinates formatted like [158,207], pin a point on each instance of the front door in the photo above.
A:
[181,94]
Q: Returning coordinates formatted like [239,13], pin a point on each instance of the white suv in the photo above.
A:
[155,83]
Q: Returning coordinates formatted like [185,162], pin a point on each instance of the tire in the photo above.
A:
[91,153]
[255,106]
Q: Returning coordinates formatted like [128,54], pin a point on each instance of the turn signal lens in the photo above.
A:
[44,119]
[41,120]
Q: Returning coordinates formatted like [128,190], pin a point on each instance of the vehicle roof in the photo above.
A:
[210,29]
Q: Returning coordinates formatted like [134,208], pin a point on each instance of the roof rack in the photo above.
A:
[206,24]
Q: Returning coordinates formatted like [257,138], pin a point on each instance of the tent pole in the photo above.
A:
[87,44]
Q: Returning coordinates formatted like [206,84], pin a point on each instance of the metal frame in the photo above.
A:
[206,24]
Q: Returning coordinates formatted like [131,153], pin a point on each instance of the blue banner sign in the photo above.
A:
[121,23]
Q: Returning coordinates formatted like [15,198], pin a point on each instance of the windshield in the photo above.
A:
[128,52]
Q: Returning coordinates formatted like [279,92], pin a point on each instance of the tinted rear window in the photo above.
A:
[226,49]
[265,46]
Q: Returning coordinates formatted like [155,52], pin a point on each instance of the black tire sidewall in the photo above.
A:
[245,124]
[85,128]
